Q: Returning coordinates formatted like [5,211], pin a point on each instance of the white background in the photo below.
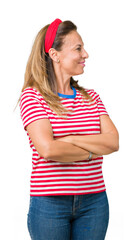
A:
[109,31]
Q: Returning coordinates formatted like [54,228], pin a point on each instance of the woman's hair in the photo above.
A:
[40,72]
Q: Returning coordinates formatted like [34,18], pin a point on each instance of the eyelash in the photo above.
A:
[79,49]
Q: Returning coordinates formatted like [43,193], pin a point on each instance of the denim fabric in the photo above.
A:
[74,217]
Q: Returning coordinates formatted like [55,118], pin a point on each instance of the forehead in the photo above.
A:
[72,39]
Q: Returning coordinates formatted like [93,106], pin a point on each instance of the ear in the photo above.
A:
[53,54]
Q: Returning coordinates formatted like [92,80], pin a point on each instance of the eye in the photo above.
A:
[79,49]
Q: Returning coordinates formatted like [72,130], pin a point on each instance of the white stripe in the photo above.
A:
[66,182]
[72,192]
[67,173]
[76,128]
[67,168]
[68,177]
[64,134]
[96,119]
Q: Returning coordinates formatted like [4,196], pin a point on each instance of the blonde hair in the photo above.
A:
[40,72]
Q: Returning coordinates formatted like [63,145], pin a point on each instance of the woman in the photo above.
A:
[69,130]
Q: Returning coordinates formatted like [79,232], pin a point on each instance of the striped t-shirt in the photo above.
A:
[50,177]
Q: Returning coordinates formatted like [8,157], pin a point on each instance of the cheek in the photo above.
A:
[70,63]
[73,62]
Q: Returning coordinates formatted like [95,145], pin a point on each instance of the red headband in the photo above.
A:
[51,34]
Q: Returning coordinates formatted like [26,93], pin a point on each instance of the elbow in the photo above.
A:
[116,147]
[47,152]
[116,143]
[44,151]
[113,147]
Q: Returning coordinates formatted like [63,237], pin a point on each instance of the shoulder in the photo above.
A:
[92,93]
[29,91]
[97,100]
[29,94]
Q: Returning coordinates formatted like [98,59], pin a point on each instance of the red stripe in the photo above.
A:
[32,114]
[31,119]
[76,126]
[50,161]
[53,194]
[38,165]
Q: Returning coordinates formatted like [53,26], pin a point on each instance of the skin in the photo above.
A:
[101,144]
[70,61]
[67,63]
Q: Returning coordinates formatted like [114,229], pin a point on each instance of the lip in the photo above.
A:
[82,63]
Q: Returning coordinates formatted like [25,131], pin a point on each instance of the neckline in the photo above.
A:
[68,96]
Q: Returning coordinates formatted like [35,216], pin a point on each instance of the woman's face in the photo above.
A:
[72,56]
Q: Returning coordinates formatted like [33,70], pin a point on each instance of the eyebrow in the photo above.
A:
[79,45]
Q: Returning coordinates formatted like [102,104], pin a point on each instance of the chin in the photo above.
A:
[78,72]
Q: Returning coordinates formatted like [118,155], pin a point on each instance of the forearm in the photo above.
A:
[66,152]
[100,144]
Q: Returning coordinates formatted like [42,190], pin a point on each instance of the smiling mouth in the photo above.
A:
[82,63]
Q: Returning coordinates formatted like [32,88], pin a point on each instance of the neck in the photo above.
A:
[64,86]
[63,81]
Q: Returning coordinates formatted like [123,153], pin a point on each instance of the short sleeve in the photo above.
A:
[101,108]
[31,107]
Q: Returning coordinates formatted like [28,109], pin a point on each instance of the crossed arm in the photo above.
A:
[73,147]
[101,144]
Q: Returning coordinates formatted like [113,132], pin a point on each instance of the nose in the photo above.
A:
[85,54]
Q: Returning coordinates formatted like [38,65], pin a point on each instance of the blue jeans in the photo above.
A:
[74,217]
